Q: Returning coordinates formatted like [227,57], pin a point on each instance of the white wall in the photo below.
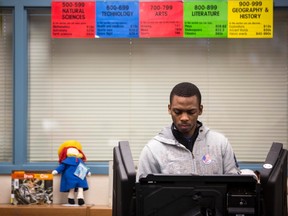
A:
[98,193]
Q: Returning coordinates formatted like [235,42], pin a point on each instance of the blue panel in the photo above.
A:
[117,19]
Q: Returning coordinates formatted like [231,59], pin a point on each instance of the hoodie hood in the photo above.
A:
[166,136]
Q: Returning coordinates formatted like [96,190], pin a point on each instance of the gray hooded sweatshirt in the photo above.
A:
[211,154]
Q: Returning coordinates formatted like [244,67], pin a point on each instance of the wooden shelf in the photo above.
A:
[100,211]
[54,210]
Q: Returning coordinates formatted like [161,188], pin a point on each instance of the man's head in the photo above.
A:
[185,107]
[186,89]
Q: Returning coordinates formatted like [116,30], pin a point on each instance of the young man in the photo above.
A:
[187,146]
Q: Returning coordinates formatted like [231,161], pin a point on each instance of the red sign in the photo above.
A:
[161,19]
[73,19]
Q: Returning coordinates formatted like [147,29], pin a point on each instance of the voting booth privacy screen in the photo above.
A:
[182,195]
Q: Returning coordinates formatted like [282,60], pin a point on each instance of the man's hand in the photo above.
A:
[54,172]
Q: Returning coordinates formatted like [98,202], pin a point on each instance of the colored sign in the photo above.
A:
[117,19]
[205,19]
[161,19]
[250,19]
[154,19]
[73,19]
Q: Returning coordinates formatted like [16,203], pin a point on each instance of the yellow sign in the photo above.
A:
[250,19]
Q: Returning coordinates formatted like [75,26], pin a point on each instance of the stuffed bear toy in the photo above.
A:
[73,171]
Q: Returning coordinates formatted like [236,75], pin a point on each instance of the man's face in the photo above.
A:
[184,112]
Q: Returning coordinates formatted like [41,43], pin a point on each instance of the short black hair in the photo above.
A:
[186,89]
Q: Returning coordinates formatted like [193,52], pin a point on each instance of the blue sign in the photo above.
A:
[117,19]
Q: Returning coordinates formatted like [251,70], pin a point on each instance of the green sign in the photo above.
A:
[205,19]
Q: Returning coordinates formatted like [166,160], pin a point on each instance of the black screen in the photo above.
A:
[273,178]
[124,177]
[184,195]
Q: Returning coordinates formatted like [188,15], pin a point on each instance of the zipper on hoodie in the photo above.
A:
[191,152]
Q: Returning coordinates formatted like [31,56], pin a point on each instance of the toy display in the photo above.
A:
[31,187]
[73,171]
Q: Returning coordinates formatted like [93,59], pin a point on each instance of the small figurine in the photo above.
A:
[73,171]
